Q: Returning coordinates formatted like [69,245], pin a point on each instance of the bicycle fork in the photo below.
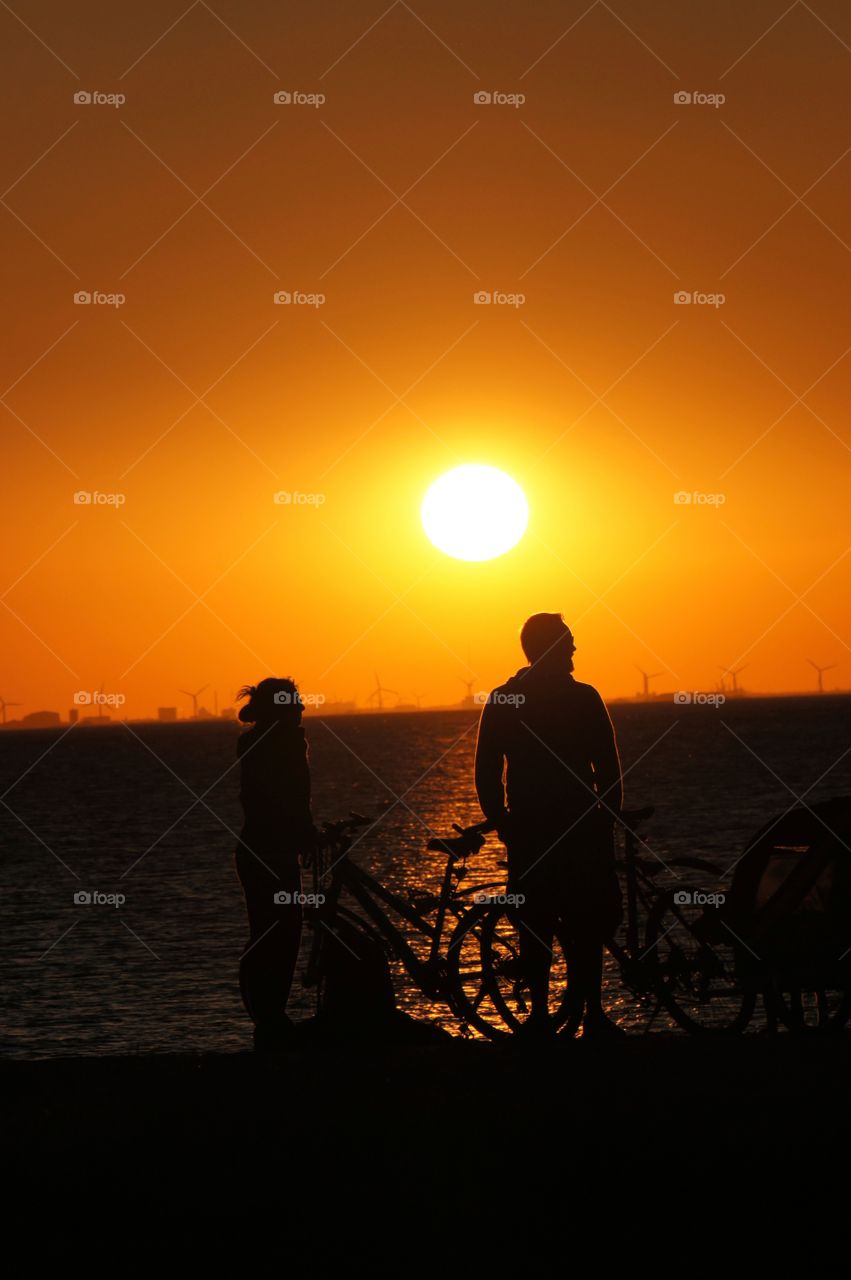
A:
[440,917]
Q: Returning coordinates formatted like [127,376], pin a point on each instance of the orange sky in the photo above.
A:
[599,395]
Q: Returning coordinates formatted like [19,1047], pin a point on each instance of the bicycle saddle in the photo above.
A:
[457,846]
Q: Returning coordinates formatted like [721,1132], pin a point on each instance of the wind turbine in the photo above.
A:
[814,665]
[646,677]
[419,697]
[733,674]
[194,696]
[4,704]
[379,691]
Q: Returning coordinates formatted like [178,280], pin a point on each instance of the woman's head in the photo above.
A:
[270,701]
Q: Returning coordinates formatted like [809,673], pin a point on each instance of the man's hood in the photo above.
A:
[537,678]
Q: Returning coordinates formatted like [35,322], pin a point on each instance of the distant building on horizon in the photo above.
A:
[40,720]
[167,714]
[73,715]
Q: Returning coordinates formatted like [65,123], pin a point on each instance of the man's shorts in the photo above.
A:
[571,876]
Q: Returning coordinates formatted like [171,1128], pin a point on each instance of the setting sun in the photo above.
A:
[475,512]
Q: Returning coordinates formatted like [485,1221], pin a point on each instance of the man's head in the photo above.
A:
[547,641]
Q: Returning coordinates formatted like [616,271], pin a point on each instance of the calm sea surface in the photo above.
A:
[151,812]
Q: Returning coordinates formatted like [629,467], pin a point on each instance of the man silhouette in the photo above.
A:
[548,777]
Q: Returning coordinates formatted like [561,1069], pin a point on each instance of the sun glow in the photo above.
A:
[475,512]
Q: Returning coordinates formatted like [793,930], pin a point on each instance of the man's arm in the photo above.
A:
[490,764]
[604,756]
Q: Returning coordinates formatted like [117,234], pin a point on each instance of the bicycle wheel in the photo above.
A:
[487,987]
[693,966]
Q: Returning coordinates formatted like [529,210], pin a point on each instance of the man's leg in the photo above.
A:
[594,911]
[585,974]
[536,926]
[585,981]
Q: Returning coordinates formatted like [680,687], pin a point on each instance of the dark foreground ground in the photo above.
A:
[420,1158]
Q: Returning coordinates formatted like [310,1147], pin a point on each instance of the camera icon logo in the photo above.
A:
[282,298]
[82,698]
[682,98]
[682,898]
[82,498]
[82,898]
[682,498]
[482,98]
[82,98]
[682,298]
[283,497]
[282,97]
[482,298]
[682,698]
[82,298]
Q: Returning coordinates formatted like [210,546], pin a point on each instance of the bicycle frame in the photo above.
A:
[639,881]
[641,891]
[370,894]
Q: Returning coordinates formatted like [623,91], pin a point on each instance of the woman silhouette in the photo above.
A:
[278,830]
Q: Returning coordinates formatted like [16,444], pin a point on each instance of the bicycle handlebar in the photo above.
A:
[468,840]
[334,832]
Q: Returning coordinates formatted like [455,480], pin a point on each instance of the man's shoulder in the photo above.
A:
[510,692]
[499,709]
[589,698]
[586,691]
[513,692]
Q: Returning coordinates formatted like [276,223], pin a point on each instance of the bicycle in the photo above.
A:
[681,965]
[426,915]
[692,956]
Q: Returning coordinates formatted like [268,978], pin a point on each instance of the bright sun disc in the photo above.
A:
[475,513]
